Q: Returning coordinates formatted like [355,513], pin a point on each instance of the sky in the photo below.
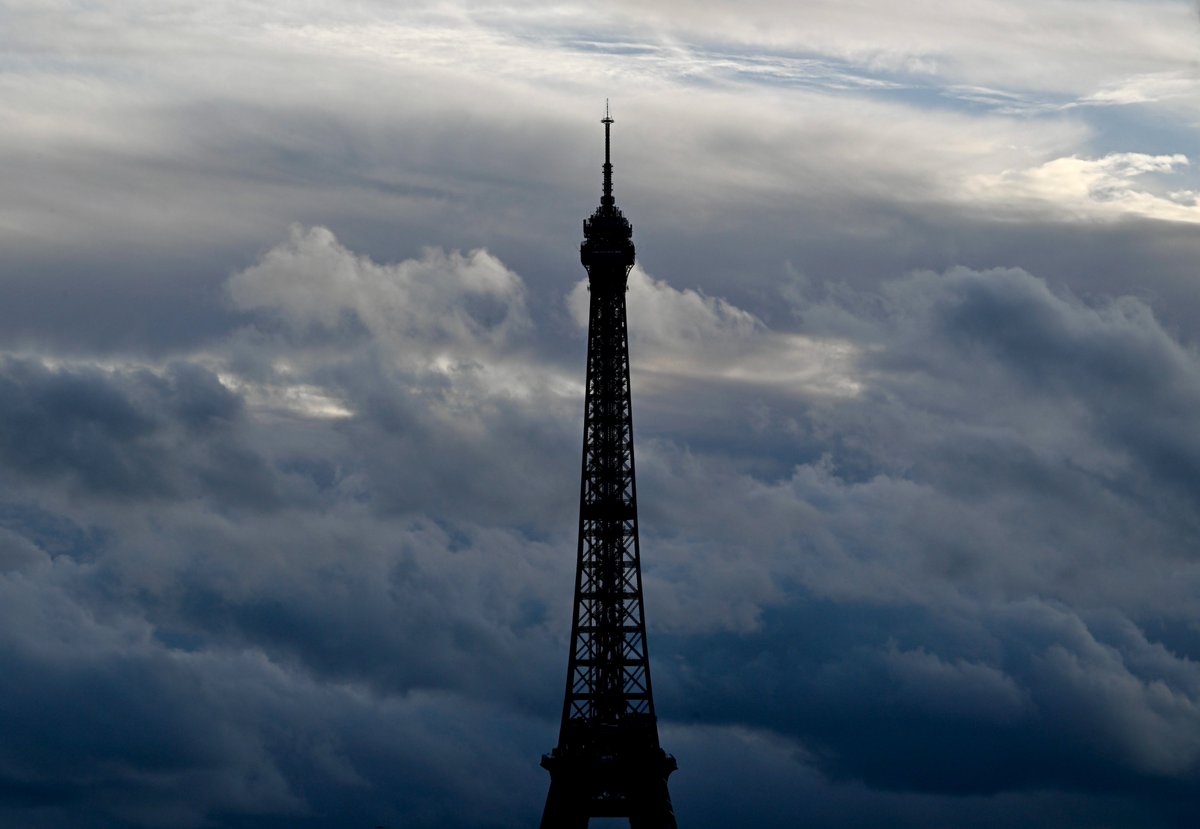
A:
[292,334]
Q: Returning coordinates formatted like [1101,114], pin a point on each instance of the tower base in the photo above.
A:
[584,787]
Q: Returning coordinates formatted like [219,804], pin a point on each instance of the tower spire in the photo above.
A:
[607,199]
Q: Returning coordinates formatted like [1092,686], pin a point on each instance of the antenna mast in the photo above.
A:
[607,198]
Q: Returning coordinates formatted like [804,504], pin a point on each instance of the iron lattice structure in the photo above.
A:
[608,762]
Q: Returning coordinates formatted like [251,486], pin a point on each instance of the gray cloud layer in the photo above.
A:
[290,383]
[965,572]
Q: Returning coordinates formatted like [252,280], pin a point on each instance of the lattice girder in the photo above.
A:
[608,761]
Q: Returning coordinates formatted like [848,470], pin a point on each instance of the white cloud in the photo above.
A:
[1047,46]
[1087,188]
[454,315]
[462,304]
[685,334]
[424,106]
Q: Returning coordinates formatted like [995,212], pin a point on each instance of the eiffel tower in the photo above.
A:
[608,762]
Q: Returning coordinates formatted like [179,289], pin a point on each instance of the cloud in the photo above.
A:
[968,43]
[975,538]
[932,564]
[1095,188]
[449,302]
[127,433]
[1018,716]
[292,377]
[111,720]
[996,420]
[683,333]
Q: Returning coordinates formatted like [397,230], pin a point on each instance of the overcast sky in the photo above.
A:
[291,372]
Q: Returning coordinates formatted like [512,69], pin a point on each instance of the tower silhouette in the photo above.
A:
[608,762]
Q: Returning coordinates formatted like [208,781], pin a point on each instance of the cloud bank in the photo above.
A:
[291,353]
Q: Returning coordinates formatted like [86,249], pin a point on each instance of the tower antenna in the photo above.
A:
[607,121]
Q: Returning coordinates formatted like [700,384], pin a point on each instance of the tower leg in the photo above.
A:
[562,809]
[654,811]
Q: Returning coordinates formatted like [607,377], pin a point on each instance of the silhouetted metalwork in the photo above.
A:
[608,762]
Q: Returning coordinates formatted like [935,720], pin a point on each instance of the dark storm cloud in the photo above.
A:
[1006,699]
[129,434]
[932,597]
[984,567]
[113,728]
[778,785]
[1136,385]
[166,673]
[1002,467]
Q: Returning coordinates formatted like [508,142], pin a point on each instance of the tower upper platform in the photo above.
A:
[607,249]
